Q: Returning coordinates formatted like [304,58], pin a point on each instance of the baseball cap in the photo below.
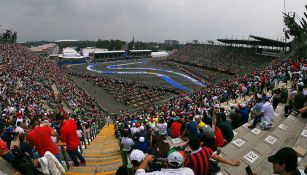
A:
[285,155]
[137,155]
[141,139]
[175,157]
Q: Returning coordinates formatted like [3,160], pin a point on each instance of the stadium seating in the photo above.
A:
[253,147]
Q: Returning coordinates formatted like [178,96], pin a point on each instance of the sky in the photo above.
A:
[146,20]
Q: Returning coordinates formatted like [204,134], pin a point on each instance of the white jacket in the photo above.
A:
[50,165]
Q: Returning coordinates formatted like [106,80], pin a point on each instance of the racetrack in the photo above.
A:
[145,71]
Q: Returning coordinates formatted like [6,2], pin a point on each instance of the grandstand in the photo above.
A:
[237,74]
[226,59]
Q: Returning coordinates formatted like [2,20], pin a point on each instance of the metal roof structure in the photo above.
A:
[256,41]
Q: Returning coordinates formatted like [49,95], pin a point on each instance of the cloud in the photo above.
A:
[148,20]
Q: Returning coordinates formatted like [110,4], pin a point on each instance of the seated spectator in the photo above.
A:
[198,160]
[226,129]
[5,153]
[175,161]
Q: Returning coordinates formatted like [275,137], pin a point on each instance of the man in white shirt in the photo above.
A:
[268,115]
[127,143]
[134,128]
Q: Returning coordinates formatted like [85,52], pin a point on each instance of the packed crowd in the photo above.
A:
[231,59]
[128,92]
[35,117]
[205,121]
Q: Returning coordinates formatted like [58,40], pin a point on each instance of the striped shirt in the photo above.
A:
[198,161]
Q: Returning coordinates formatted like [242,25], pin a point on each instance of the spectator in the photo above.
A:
[142,145]
[127,143]
[226,129]
[175,128]
[40,137]
[284,162]
[175,161]
[70,137]
[191,128]
[5,153]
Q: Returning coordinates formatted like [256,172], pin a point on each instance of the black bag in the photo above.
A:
[213,166]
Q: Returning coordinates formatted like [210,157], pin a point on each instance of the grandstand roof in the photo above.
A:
[68,40]
[140,50]
[256,41]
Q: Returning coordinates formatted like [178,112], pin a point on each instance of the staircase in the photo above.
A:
[102,155]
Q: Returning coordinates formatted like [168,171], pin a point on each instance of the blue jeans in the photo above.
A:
[74,154]
[59,157]
[9,157]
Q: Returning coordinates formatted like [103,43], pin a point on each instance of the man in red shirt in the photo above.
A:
[175,128]
[40,138]
[70,137]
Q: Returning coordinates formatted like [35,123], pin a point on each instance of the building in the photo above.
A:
[171,42]
[46,49]
[86,51]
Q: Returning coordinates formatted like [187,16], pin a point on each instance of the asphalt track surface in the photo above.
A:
[111,104]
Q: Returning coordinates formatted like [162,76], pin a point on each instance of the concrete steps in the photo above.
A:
[102,156]
[254,146]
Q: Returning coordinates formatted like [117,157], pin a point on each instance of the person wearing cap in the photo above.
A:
[284,162]
[175,160]
[142,145]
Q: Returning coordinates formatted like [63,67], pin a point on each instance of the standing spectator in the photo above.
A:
[40,137]
[142,145]
[108,120]
[162,126]
[175,128]
[127,143]
[70,137]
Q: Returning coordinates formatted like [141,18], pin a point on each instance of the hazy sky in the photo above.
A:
[147,20]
